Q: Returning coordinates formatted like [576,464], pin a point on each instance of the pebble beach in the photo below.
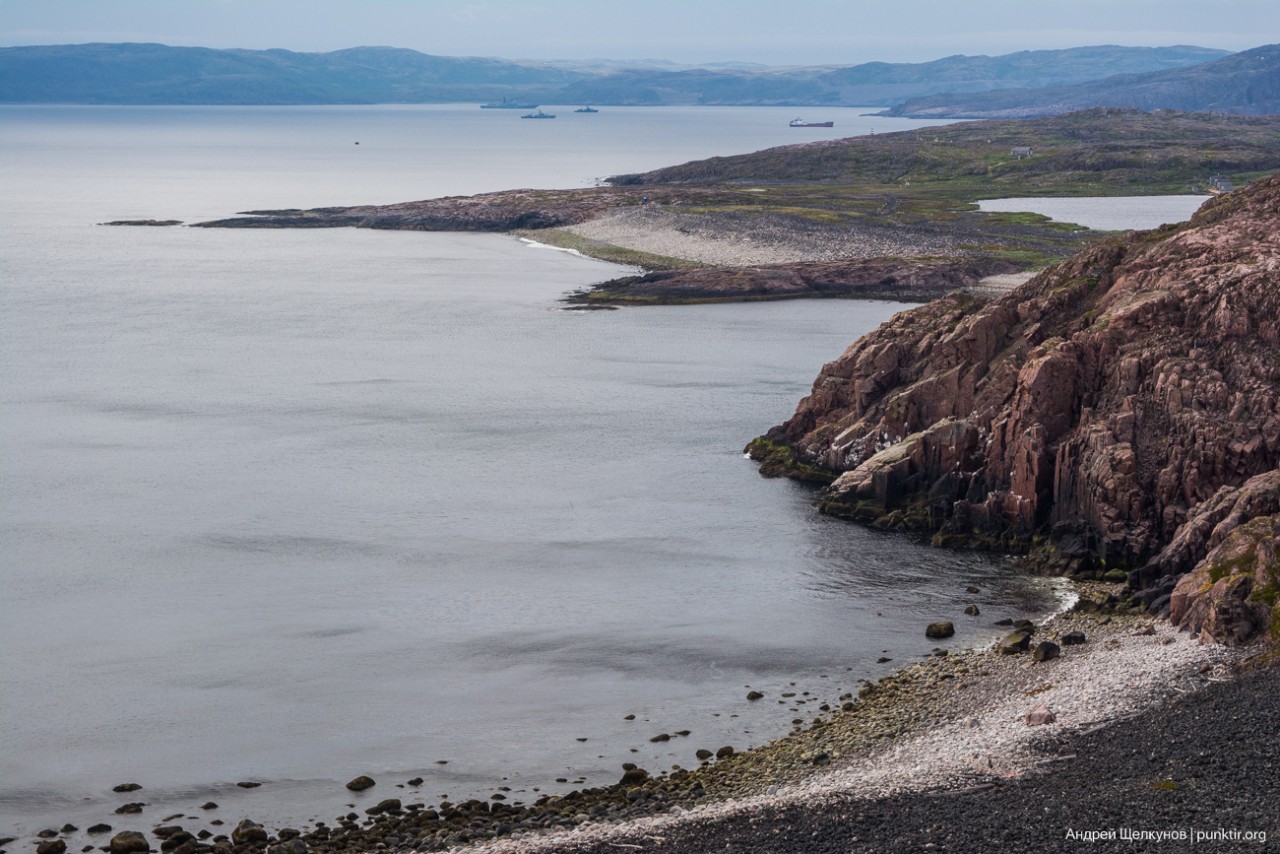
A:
[944,734]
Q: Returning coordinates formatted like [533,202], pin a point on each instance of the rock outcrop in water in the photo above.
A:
[1119,411]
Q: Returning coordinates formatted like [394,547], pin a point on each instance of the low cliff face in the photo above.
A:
[908,279]
[1114,412]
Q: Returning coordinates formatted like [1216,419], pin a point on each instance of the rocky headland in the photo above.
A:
[1116,417]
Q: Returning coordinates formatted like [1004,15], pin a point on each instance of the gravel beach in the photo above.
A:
[739,240]
[1152,732]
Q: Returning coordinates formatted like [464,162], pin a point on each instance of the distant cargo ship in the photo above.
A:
[800,123]
[538,115]
[507,104]
[587,110]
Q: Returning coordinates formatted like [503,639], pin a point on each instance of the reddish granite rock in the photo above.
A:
[1230,594]
[1123,406]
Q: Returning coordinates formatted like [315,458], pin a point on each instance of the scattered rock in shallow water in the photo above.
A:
[180,841]
[1024,626]
[52,846]
[1015,643]
[633,776]
[1040,715]
[883,660]
[69,828]
[129,842]
[754,695]
[661,737]
[248,830]
[1005,622]
[724,752]
[1045,650]
[390,805]
[359,784]
[972,589]
[99,828]
[126,787]
[943,629]
[209,805]
[416,781]
[248,785]
[629,718]
[972,610]
[703,754]
[166,832]
[1073,638]
[47,833]
[129,809]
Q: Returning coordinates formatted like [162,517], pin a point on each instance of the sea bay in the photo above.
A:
[293,506]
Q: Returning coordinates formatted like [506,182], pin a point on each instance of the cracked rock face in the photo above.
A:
[1121,406]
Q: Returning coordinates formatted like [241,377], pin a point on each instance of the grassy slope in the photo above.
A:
[930,178]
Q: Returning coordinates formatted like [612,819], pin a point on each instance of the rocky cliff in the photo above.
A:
[1121,411]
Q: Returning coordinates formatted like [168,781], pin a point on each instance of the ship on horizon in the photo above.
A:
[800,123]
[507,104]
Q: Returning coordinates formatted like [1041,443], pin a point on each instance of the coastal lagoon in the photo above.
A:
[293,506]
[1104,213]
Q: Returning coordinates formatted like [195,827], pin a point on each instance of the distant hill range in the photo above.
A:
[159,74]
[1247,82]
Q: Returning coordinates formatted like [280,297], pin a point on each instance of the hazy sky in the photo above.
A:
[691,31]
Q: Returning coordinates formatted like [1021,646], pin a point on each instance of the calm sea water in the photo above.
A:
[294,506]
[1105,213]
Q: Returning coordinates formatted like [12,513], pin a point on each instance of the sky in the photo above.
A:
[772,32]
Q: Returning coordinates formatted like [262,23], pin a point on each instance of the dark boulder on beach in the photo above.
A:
[633,776]
[937,631]
[52,846]
[248,831]
[182,840]
[389,805]
[129,842]
[126,787]
[129,809]
[1015,643]
[1045,651]
[359,784]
